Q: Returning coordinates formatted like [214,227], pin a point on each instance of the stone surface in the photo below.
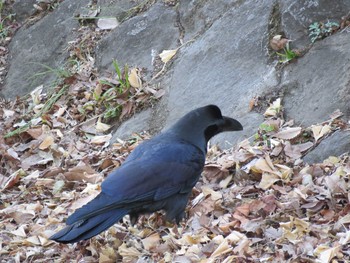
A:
[40,45]
[335,145]
[23,9]
[197,16]
[226,66]
[117,8]
[318,84]
[138,123]
[297,16]
[227,62]
[138,39]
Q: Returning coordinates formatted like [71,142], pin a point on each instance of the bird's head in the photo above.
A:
[200,125]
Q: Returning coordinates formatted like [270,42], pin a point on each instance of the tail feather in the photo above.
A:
[85,229]
[96,206]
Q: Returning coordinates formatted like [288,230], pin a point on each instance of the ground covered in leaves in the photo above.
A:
[257,202]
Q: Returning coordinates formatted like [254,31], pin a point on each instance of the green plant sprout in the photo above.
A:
[107,99]
[124,80]
[288,54]
[263,133]
[318,30]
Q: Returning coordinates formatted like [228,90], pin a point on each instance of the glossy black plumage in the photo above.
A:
[159,174]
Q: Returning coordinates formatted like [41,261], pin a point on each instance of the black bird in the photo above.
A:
[158,175]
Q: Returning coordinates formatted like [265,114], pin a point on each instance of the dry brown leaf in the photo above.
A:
[82,201]
[222,249]
[13,179]
[167,55]
[8,113]
[278,42]
[19,232]
[35,94]
[288,133]
[265,165]
[214,195]
[267,180]
[134,78]
[35,132]
[102,127]
[128,252]
[101,139]
[319,131]
[47,142]
[151,241]
[83,173]
[274,108]
[326,254]
[160,93]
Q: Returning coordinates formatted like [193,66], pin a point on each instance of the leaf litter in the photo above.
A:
[253,204]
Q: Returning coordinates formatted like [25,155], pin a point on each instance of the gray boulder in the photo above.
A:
[228,61]
[41,45]
[335,145]
[297,16]
[138,40]
[318,84]
[23,9]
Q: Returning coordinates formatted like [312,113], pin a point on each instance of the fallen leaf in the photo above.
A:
[47,142]
[102,127]
[35,132]
[101,139]
[83,201]
[83,173]
[274,108]
[13,179]
[166,55]
[151,241]
[267,180]
[58,186]
[222,249]
[278,42]
[288,133]
[319,131]
[35,94]
[326,254]
[19,232]
[8,113]
[214,195]
[128,252]
[134,78]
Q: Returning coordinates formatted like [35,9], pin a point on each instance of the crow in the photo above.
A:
[159,174]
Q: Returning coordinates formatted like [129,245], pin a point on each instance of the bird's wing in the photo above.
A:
[154,176]
[164,169]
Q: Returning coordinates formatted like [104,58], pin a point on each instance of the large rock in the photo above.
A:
[23,9]
[227,63]
[136,41]
[197,16]
[138,123]
[226,66]
[120,9]
[39,46]
[297,16]
[318,84]
[335,145]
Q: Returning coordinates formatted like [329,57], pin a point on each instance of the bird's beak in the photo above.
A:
[231,124]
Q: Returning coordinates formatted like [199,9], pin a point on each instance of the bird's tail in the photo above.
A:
[90,220]
[85,229]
